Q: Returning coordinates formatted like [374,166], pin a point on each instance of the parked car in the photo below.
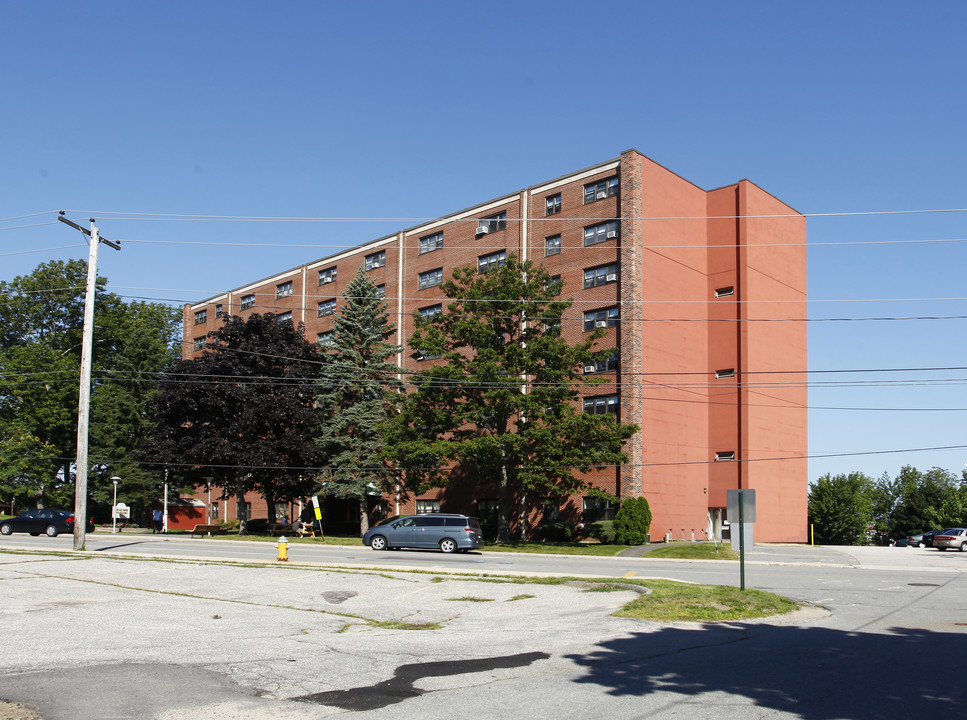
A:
[927,537]
[951,538]
[913,540]
[448,533]
[43,520]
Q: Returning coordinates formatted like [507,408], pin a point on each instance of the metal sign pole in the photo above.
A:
[741,541]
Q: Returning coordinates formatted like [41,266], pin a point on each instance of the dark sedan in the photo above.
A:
[42,520]
[927,538]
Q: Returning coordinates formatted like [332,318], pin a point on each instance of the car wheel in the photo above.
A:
[378,542]
[963,547]
[51,531]
[6,529]
[448,546]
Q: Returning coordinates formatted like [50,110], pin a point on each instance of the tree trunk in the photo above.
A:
[503,517]
[242,512]
[363,515]
[522,518]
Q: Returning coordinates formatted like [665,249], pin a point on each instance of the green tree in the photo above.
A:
[840,508]
[243,413]
[41,328]
[503,401]
[922,497]
[357,393]
[25,471]
[120,404]
[632,521]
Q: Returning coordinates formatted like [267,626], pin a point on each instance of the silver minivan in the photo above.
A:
[448,533]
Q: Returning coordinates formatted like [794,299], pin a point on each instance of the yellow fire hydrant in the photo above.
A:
[283,548]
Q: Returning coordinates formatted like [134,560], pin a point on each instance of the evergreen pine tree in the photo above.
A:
[357,391]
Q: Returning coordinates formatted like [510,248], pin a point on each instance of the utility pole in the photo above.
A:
[84,401]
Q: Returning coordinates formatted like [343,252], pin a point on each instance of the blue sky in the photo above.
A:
[416,109]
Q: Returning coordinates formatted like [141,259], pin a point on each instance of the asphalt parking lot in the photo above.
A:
[105,638]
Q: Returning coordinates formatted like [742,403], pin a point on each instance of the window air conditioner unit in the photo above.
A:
[602,195]
[326,280]
[589,368]
[611,277]
[483,229]
[611,234]
[601,323]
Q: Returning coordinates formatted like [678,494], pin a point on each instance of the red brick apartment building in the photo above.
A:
[703,292]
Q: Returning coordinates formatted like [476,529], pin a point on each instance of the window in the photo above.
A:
[244,510]
[552,245]
[601,275]
[427,506]
[596,510]
[552,204]
[201,316]
[380,291]
[608,317]
[326,339]
[375,260]
[428,313]
[326,307]
[601,405]
[430,278]
[601,232]
[552,510]
[213,511]
[198,344]
[552,328]
[600,190]
[327,276]
[729,373]
[219,312]
[724,292]
[610,363]
[431,243]
[492,223]
[284,317]
[555,285]
[248,301]
[725,456]
[283,289]
[491,261]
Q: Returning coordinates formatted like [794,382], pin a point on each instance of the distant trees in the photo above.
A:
[243,414]
[356,394]
[852,509]
[502,401]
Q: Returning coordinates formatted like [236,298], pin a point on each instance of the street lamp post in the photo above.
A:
[114,508]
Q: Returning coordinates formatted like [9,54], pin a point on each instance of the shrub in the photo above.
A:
[555,532]
[602,530]
[632,522]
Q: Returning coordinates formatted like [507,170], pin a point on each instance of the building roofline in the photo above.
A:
[428,224]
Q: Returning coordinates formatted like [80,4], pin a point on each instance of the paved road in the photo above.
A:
[104,636]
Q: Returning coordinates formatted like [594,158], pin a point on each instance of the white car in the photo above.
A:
[951,538]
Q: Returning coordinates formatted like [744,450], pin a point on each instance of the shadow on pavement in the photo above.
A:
[814,673]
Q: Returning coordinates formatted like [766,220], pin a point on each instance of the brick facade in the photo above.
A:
[676,249]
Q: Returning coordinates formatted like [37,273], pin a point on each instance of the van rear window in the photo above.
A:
[456,522]
[430,521]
